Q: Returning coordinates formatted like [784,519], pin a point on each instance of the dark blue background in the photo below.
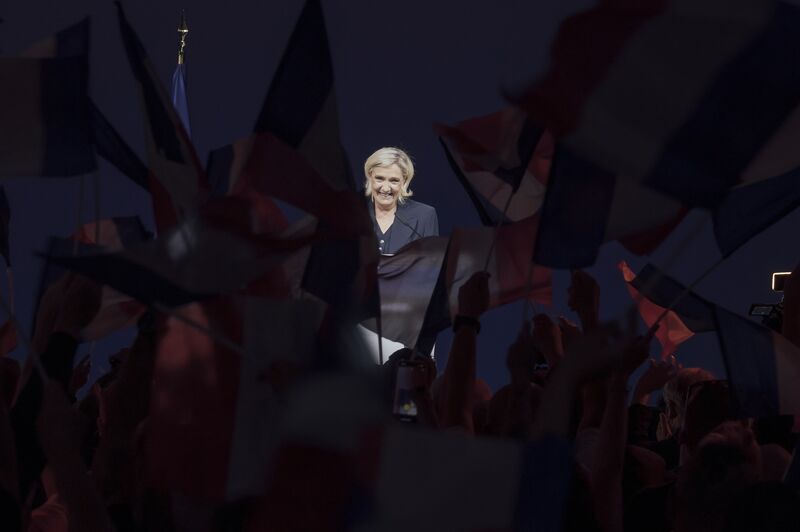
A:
[400,66]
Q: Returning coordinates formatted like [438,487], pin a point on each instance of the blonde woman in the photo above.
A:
[398,220]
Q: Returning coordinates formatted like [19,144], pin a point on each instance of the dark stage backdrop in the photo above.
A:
[400,66]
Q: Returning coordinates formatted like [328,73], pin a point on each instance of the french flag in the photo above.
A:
[177,183]
[117,310]
[662,291]
[496,156]
[671,331]
[295,145]
[763,366]
[45,129]
[5,224]
[8,337]
[198,259]
[264,165]
[110,145]
[750,209]
[689,117]
[471,484]
[509,263]
[586,206]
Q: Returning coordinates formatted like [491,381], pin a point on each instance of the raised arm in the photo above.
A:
[77,301]
[59,432]
[606,474]
[458,380]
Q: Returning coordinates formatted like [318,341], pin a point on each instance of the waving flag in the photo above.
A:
[684,117]
[179,98]
[696,313]
[749,210]
[117,311]
[509,264]
[585,207]
[762,365]
[300,118]
[5,223]
[499,155]
[300,107]
[480,483]
[671,331]
[178,183]
[45,128]
[8,337]
[113,148]
[194,261]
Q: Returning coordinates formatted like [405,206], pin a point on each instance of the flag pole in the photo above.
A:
[96,183]
[497,230]
[695,230]
[183,32]
[529,284]
[688,289]
[81,190]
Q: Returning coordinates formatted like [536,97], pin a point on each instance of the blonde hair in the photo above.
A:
[384,158]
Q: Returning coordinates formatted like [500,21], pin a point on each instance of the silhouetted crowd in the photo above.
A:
[666,452]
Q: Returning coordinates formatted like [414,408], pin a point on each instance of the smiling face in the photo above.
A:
[386,184]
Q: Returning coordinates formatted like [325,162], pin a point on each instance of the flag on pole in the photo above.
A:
[509,263]
[750,209]
[686,118]
[671,331]
[300,107]
[696,314]
[194,261]
[45,127]
[117,311]
[300,116]
[112,147]
[179,99]
[178,183]
[763,366]
[5,224]
[8,337]
[496,156]
[586,206]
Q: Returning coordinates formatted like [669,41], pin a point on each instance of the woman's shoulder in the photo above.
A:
[415,208]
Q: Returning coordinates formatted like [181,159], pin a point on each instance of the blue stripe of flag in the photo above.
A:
[575,212]
[749,355]
[749,210]
[746,104]
[179,99]
[302,82]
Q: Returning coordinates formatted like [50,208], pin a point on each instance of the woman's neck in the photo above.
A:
[385,211]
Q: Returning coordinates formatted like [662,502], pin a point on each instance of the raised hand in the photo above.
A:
[80,374]
[59,426]
[547,337]
[520,358]
[81,303]
[584,298]
[569,331]
[654,378]
[473,296]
